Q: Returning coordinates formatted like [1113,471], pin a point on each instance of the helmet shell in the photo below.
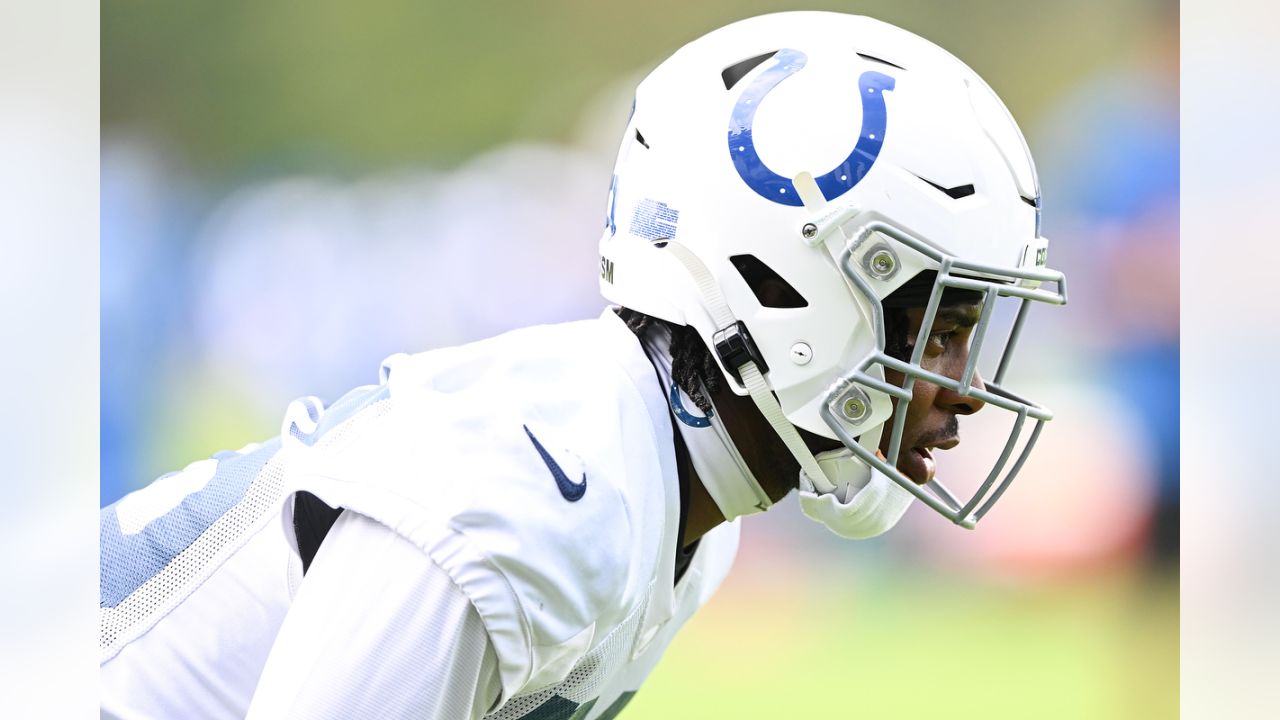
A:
[711,156]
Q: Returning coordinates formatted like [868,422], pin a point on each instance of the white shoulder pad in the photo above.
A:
[528,467]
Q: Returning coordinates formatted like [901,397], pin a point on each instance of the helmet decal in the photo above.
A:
[613,204]
[776,188]
[683,414]
[654,220]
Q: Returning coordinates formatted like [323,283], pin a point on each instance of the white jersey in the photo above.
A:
[535,475]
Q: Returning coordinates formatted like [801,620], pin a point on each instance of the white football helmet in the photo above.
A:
[847,156]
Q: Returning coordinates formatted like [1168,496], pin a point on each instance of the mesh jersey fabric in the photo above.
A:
[197,576]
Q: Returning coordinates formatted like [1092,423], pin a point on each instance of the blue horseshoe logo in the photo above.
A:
[683,415]
[772,186]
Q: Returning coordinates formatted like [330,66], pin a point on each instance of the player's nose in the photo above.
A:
[966,404]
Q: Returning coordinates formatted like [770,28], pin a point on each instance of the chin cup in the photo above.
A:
[865,502]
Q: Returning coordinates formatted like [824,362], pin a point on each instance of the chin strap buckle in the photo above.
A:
[736,348]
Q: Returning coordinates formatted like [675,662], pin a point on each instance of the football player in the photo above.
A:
[812,220]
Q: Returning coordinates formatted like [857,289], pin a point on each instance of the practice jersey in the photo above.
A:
[536,469]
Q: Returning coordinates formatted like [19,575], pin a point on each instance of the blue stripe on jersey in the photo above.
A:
[560,708]
[556,708]
[128,561]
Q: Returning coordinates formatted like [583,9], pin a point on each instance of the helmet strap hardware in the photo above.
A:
[735,347]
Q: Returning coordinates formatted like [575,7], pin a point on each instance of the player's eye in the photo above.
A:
[939,340]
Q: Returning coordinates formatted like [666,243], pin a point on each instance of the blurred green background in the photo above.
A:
[292,191]
[241,87]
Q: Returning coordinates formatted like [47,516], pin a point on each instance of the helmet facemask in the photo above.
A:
[873,249]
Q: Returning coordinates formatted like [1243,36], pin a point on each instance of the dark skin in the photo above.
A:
[931,423]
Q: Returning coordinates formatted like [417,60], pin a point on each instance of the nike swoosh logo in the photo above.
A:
[571,491]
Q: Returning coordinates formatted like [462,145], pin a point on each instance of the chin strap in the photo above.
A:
[739,354]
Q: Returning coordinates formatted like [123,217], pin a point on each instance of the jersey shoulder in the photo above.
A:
[531,469]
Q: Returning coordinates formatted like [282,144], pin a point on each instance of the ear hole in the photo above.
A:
[769,287]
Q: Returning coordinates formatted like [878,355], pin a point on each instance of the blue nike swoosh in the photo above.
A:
[572,492]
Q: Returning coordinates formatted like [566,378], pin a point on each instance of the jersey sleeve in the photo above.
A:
[377,630]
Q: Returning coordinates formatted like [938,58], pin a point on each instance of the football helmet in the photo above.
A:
[844,156]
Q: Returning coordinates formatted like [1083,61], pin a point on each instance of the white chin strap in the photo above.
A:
[854,516]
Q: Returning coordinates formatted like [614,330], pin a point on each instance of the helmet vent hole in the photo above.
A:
[769,287]
[640,139]
[882,61]
[955,193]
[735,72]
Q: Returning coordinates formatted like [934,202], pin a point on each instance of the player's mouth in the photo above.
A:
[918,464]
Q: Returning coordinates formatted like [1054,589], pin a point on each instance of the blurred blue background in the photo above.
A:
[291,193]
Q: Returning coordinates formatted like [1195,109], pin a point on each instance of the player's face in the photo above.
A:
[932,414]
[931,422]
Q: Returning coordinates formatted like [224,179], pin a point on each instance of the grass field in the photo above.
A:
[909,647]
